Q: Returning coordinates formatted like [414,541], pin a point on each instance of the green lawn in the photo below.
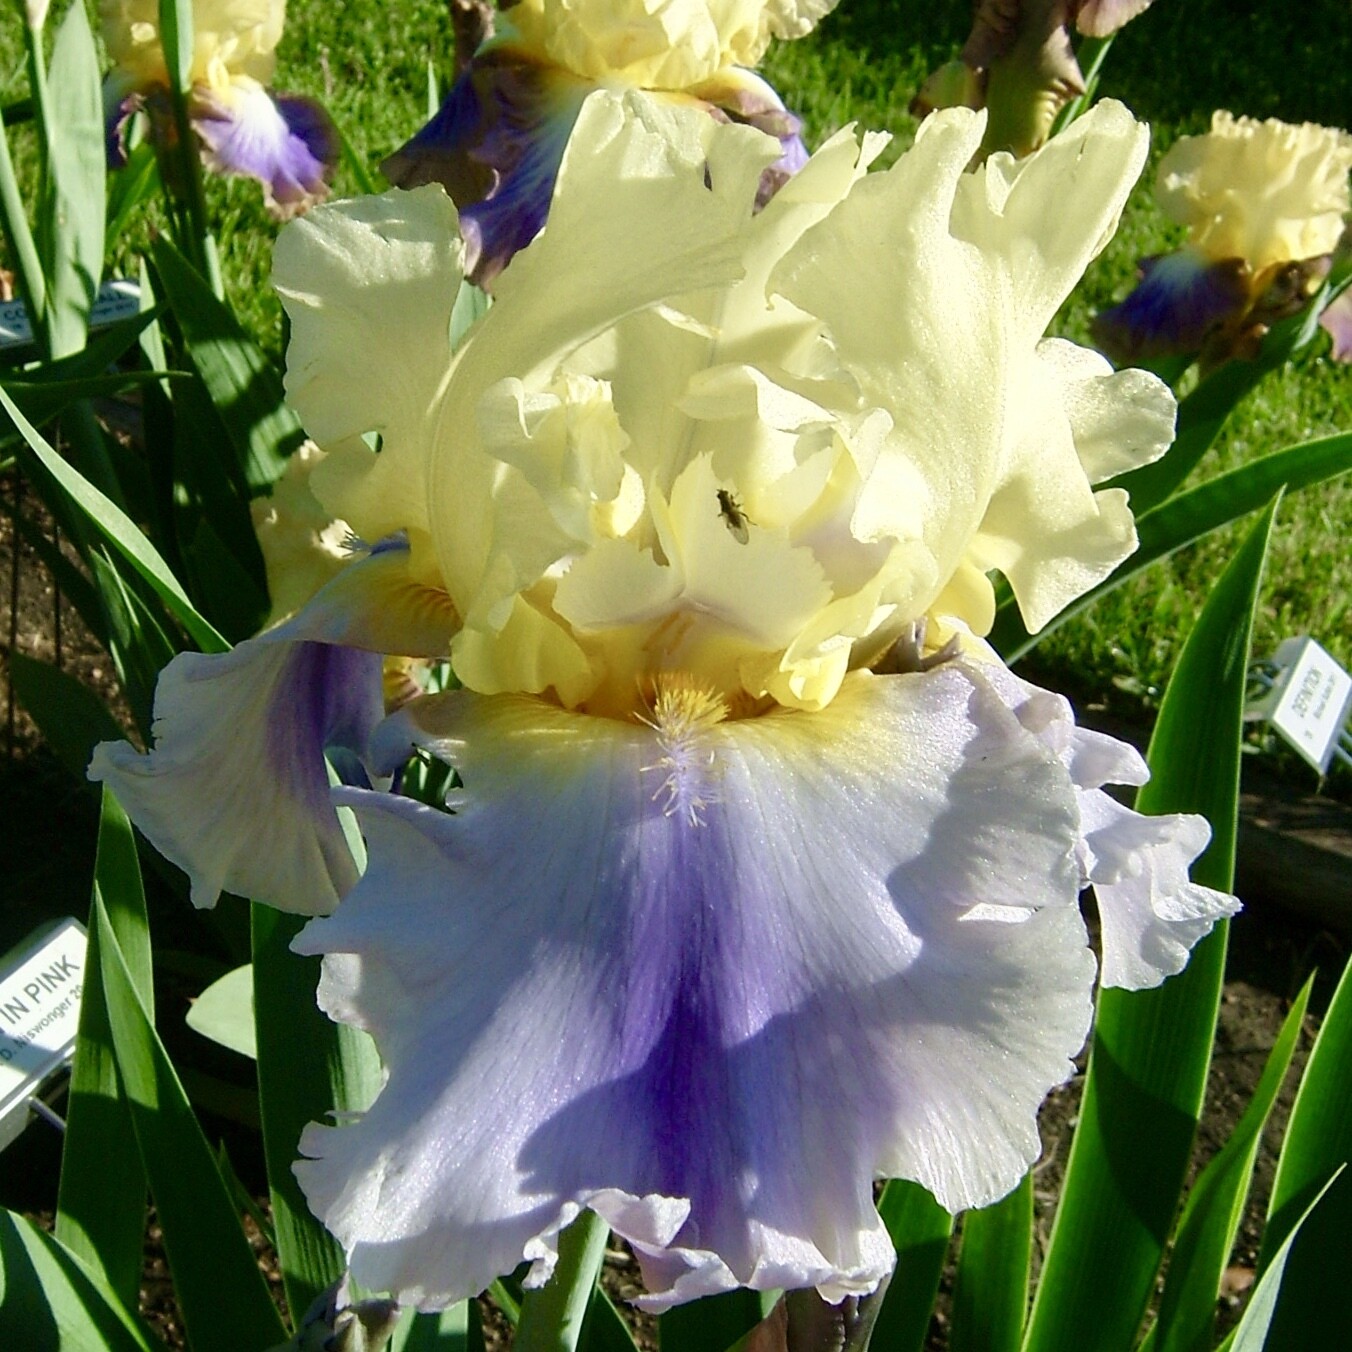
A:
[369,60]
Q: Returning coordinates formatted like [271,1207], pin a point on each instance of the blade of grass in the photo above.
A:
[604,1330]
[22,247]
[243,384]
[715,1321]
[72,719]
[100,1211]
[222,1297]
[920,1230]
[455,1330]
[1090,54]
[990,1297]
[112,524]
[42,400]
[136,641]
[1314,1309]
[552,1315]
[134,183]
[49,1300]
[75,586]
[1254,1333]
[1151,1048]
[104,348]
[177,40]
[1215,1207]
[71,216]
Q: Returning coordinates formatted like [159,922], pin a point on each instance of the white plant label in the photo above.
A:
[1314,701]
[39,1015]
[116,300]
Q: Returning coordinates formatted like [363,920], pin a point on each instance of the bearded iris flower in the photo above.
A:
[285,142]
[496,142]
[1264,204]
[761,878]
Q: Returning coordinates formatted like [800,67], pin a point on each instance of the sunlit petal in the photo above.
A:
[742,969]
[1150,912]
[342,272]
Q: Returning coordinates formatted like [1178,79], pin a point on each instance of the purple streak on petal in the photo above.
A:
[495,145]
[235,790]
[309,122]
[835,972]
[328,697]
[287,144]
[1179,302]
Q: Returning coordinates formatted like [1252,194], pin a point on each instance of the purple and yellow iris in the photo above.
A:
[760,880]
[1264,204]
[496,143]
[285,142]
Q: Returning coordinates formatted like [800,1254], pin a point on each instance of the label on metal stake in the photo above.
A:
[39,1015]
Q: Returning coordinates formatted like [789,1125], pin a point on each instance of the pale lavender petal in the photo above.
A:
[711,987]
[236,789]
[285,142]
[1151,914]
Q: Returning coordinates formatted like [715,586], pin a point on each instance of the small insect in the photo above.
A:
[731,512]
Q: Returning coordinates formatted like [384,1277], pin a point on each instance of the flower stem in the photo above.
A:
[551,1317]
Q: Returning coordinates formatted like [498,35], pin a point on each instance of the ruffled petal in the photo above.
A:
[236,789]
[1045,528]
[1151,914]
[668,46]
[710,979]
[670,165]
[287,143]
[235,36]
[1268,192]
[1089,170]
[342,272]
[1180,301]
[986,418]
